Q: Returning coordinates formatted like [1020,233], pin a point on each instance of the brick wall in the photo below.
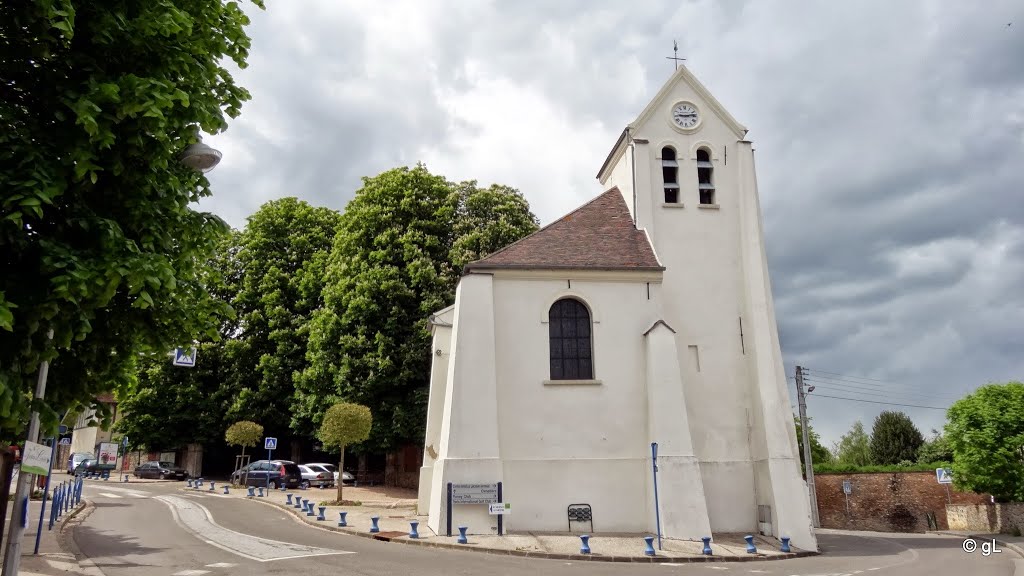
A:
[986,517]
[886,502]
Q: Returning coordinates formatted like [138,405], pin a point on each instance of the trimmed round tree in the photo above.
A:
[244,433]
[344,424]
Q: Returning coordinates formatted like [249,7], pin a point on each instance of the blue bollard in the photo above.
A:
[341,519]
[284,488]
[189,482]
[785,544]
[751,549]
[252,491]
[125,479]
[374,529]
[412,529]
[462,535]
[309,508]
[707,545]
[321,516]
[649,550]
[585,548]
[226,489]
[212,486]
[261,491]
[289,496]
[298,502]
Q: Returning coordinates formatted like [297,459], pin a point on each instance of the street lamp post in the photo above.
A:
[199,157]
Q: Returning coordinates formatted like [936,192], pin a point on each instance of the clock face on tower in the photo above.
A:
[684,115]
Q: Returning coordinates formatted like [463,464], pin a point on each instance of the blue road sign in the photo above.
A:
[124,441]
[65,442]
[62,429]
[185,357]
[944,475]
[270,443]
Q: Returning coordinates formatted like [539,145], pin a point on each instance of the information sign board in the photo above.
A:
[474,493]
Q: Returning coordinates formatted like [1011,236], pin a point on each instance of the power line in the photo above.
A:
[882,391]
[846,376]
[878,402]
[887,386]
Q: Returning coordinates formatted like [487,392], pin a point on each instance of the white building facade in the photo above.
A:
[645,316]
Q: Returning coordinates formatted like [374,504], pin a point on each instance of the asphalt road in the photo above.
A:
[158,530]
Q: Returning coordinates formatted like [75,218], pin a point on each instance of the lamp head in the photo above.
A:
[201,157]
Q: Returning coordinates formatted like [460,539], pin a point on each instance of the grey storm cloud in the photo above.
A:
[889,138]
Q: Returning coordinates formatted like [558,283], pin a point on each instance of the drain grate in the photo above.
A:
[386,536]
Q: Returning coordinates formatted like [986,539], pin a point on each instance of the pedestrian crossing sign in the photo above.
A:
[944,475]
[270,443]
[185,357]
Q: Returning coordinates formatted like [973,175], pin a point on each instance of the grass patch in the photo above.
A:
[342,503]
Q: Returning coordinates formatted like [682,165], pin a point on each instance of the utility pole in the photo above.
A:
[19,519]
[808,464]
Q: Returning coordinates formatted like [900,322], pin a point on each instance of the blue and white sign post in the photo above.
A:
[185,357]
[270,444]
[657,511]
[945,476]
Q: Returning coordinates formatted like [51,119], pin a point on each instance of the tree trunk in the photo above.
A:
[341,474]
[245,475]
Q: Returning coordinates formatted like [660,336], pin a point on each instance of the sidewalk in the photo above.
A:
[1009,541]
[53,559]
[395,514]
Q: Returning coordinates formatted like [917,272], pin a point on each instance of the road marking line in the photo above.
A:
[198,520]
[109,495]
[191,573]
[221,565]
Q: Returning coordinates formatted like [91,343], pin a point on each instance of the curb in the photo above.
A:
[384,537]
[65,539]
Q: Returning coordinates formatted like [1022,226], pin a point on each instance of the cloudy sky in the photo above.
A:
[889,136]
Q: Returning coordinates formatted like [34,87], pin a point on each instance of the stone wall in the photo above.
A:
[887,502]
[1003,518]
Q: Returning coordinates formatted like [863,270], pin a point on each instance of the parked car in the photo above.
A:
[346,477]
[90,464]
[161,470]
[271,473]
[315,475]
[75,459]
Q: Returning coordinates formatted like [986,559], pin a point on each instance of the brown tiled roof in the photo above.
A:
[597,236]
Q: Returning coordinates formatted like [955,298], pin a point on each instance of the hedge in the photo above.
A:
[849,469]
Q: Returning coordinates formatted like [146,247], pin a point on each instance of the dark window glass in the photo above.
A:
[569,336]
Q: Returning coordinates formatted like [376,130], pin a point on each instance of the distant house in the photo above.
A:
[86,436]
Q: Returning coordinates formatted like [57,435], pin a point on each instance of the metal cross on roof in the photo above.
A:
[675,50]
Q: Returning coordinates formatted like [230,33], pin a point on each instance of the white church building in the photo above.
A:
[644,316]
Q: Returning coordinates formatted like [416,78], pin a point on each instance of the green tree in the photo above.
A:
[937,449]
[245,434]
[281,255]
[819,453]
[985,429]
[98,238]
[171,406]
[344,424]
[390,268]
[854,447]
[487,220]
[894,438]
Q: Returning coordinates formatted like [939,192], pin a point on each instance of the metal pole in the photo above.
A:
[12,554]
[654,471]
[46,490]
[808,464]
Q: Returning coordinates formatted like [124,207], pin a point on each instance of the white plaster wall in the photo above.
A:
[441,347]
[622,177]
[470,422]
[559,443]
[704,299]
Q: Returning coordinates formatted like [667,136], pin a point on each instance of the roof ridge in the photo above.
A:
[614,189]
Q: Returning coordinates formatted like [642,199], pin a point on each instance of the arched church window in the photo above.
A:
[569,340]
[670,175]
[704,177]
